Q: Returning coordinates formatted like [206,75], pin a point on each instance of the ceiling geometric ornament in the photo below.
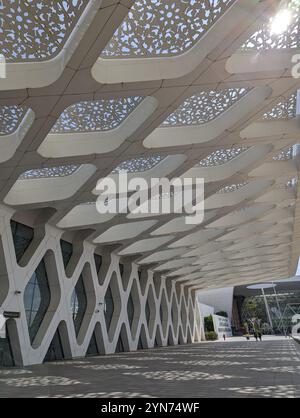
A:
[284,155]
[140,164]
[136,165]
[221,156]
[10,118]
[38,173]
[163,28]
[34,30]
[232,187]
[283,110]
[98,115]
[263,39]
[204,107]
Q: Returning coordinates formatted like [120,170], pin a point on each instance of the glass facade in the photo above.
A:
[183,315]
[147,311]
[120,346]
[78,304]
[98,262]
[55,351]
[36,299]
[282,307]
[121,267]
[156,343]
[67,251]
[161,313]
[140,344]
[109,307]
[78,299]
[22,237]
[130,310]
[92,348]
[6,355]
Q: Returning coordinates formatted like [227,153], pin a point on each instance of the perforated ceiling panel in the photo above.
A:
[160,89]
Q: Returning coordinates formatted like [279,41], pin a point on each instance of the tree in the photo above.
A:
[208,324]
[251,308]
[222,313]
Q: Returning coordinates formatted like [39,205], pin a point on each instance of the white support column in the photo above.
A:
[176,302]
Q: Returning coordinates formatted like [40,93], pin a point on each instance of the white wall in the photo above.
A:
[204,310]
[221,299]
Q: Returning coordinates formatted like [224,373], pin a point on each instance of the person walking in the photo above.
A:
[255,335]
[259,335]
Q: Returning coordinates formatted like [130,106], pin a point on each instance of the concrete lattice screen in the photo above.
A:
[206,91]
[149,295]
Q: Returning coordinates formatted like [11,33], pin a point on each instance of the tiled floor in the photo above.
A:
[270,368]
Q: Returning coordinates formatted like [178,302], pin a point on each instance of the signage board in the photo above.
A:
[222,326]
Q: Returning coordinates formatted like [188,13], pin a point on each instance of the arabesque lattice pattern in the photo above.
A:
[264,39]
[157,27]
[283,110]
[38,173]
[40,28]
[284,155]
[101,115]
[139,165]
[221,156]
[204,107]
[232,187]
[10,118]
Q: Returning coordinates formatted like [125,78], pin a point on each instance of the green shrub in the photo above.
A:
[208,324]
[211,336]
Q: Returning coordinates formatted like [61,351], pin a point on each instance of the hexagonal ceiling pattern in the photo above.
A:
[205,83]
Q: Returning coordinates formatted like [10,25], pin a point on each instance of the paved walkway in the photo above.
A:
[234,368]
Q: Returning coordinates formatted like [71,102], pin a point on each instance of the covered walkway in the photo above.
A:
[234,368]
